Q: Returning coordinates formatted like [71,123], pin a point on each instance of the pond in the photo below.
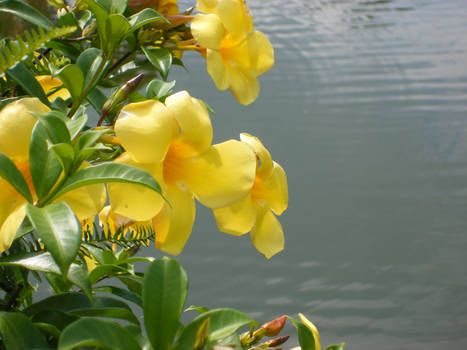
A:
[366,109]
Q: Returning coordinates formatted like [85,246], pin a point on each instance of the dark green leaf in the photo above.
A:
[109,172]
[58,227]
[87,57]
[120,292]
[144,17]
[161,59]
[65,155]
[223,323]
[19,333]
[105,270]
[97,99]
[159,89]
[68,20]
[58,319]
[55,126]
[305,336]
[10,173]
[64,302]
[23,76]
[164,292]
[119,313]
[79,276]
[94,332]
[26,12]
[132,284]
[67,49]
[44,166]
[73,79]
[117,28]
[101,16]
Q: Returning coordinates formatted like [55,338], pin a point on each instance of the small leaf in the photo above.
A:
[117,28]
[87,57]
[159,89]
[160,58]
[23,76]
[55,126]
[26,12]
[58,227]
[336,347]
[94,332]
[73,79]
[10,173]
[199,309]
[19,333]
[144,17]
[65,154]
[109,172]
[164,292]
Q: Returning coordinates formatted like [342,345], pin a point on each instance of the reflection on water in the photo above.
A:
[366,110]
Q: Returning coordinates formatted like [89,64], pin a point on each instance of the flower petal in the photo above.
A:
[173,224]
[85,201]
[258,49]
[193,119]
[133,201]
[273,190]
[237,218]
[243,85]
[267,235]
[222,175]
[313,330]
[264,158]
[207,30]
[236,18]
[145,129]
[217,69]
[16,124]
[10,225]
[48,84]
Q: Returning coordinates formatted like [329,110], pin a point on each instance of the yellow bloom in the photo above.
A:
[313,330]
[255,212]
[48,84]
[173,143]
[16,124]
[235,54]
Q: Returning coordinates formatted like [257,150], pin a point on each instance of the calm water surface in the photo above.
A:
[366,109]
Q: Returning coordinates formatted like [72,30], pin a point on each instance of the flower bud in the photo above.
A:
[273,328]
[278,341]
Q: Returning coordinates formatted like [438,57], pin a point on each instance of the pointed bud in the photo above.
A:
[273,328]
[278,341]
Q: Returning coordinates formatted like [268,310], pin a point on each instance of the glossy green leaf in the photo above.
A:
[133,285]
[78,275]
[117,313]
[59,229]
[117,28]
[109,172]
[44,166]
[120,292]
[101,16]
[164,293]
[89,138]
[73,79]
[336,347]
[19,333]
[76,124]
[223,323]
[199,309]
[26,12]
[64,302]
[160,58]
[55,126]
[25,78]
[97,99]
[305,336]
[65,154]
[36,261]
[113,6]
[10,173]
[144,17]
[105,270]
[159,89]
[87,57]
[94,332]
[56,318]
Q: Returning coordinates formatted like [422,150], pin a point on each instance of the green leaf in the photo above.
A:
[165,288]
[87,57]
[120,292]
[73,79]
[144,17]
[105,270]
[117,28]
[160,58]
[23,76]
[199,309]
[119,313]
[36,261]
[336,347]
[64,302]
[113,6]
[65,155]
[101,16]
[79,276]
[108,172]
[19,333]
[76,124]
[94,332]
[58,227]
[26,12]
[159,89]
[44,166]
[305,336]
[89,138]
[97,99]
[10,173]
[55,126]
[56,318]
[223,323]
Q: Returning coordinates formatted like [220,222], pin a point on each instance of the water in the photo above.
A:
[366,109]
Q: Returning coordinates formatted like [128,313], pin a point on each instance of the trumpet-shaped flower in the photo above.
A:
[255,212]
[235,54]
[16,125]
[50,84]
[173,143]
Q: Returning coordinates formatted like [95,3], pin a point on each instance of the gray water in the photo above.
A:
[366,109]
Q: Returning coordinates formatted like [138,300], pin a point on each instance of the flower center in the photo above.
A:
[173,165]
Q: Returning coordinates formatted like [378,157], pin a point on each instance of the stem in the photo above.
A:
[120,60]
[12,299]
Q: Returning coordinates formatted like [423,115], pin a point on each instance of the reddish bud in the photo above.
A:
[273,328]
[278,341]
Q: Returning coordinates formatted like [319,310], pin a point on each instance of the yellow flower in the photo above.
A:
[49,84]
[255,212]
[235,54]
[16,125]
[173,143]
[313,330]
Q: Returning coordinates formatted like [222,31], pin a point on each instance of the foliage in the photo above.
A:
[148,157]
